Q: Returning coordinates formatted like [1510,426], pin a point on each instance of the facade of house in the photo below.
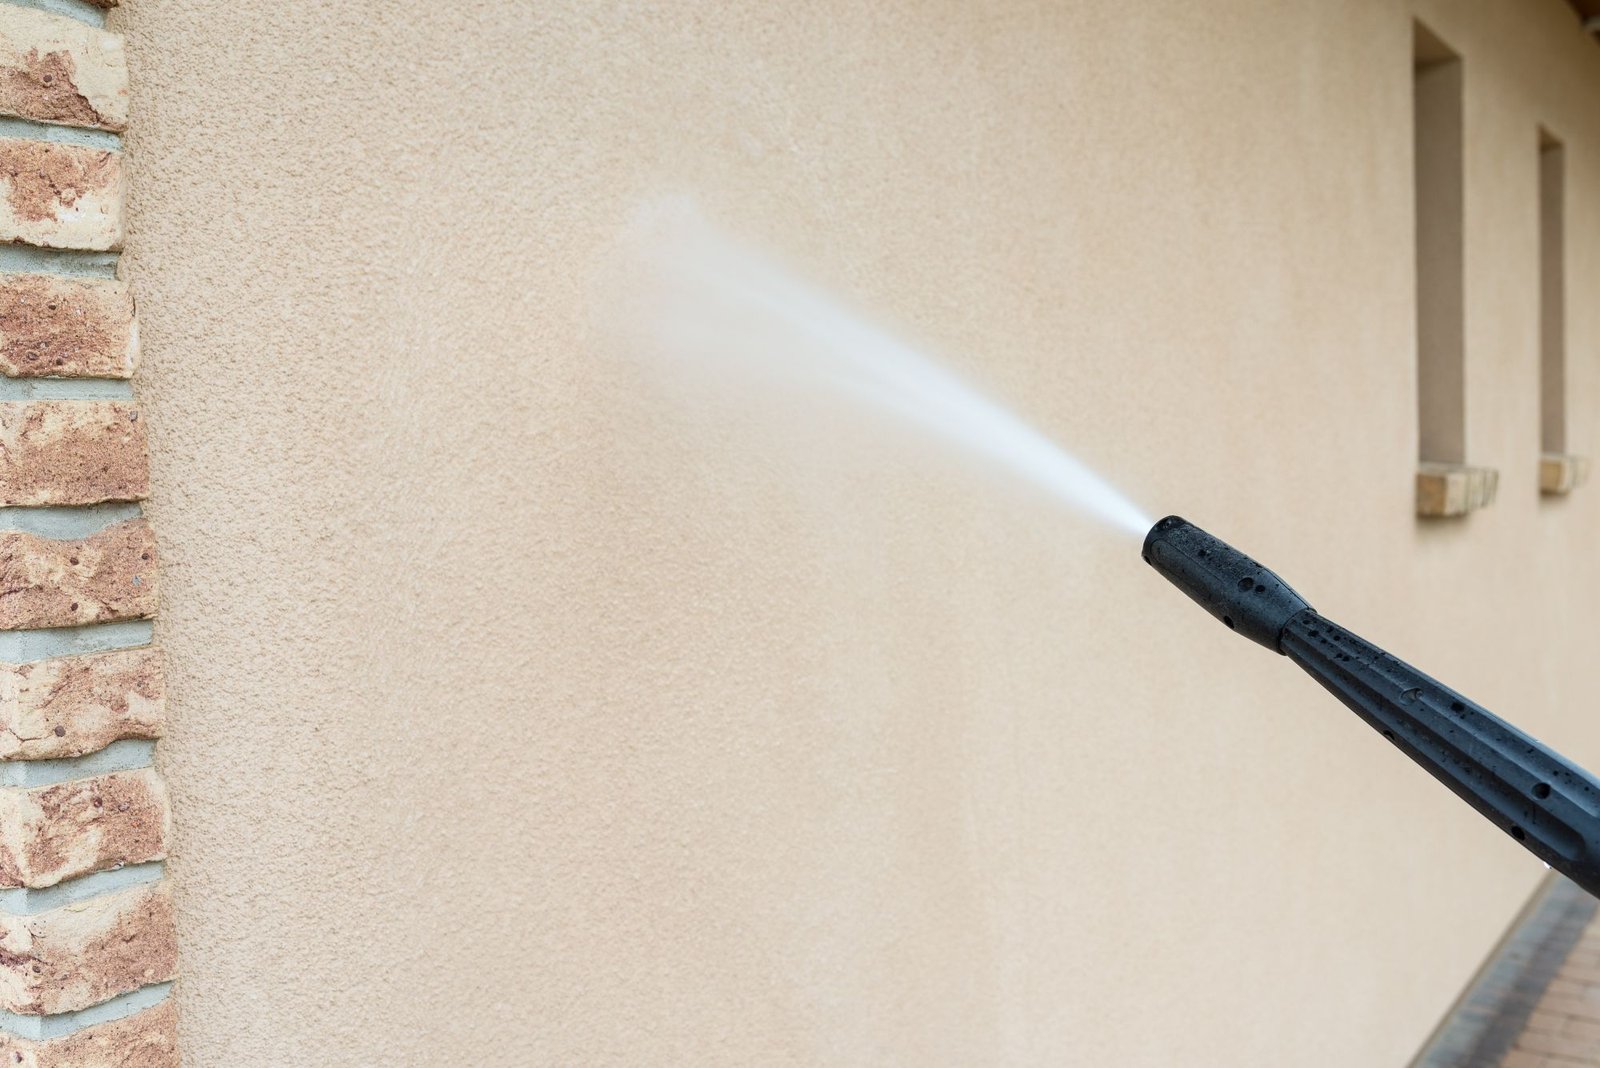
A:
[513,712]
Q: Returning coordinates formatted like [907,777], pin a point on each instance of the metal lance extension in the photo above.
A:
[1539,798]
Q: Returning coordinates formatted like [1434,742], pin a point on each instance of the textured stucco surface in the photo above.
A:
[514,722]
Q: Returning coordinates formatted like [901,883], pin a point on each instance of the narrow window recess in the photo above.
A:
[1446,484]
[1560,472]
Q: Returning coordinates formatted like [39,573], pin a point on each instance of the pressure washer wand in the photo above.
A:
[1535,795]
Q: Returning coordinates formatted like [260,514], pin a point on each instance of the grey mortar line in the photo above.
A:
[33,130]
[26,646]
[126,754]
[73,9]
[68,522]
[30,901]
[68,262]
[62,1024]
[26,389]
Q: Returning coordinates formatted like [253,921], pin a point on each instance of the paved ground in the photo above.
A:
[1535,1003]
[1563,1030]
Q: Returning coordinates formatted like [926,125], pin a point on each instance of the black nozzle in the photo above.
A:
[1542,800]
[1224,581]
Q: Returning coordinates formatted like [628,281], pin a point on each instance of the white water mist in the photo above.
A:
[706,304]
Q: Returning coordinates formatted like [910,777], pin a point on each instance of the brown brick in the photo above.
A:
[147,1039]
[1561,984]
[1587,974]
[1567,1005]
[1547,1021]
[47,583]
[72,705]
[1523,1059]
[1558,1045]
[58,327]
[1583,955]
[85,953]
[62,70]
[60,196]
[51,833]
[72,452]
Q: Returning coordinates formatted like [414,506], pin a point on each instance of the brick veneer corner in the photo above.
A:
[88,949]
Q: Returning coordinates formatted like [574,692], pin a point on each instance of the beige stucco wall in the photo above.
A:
[514,724]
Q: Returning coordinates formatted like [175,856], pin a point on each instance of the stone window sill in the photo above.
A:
[1560,473]
[1445,490]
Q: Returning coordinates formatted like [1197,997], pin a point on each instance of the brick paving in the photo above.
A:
[1535,1003]
[1563,1031]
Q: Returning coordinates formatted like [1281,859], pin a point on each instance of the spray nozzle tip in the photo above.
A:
[1224,581]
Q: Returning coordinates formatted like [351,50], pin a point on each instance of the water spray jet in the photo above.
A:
[1541,799]
[704,310]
